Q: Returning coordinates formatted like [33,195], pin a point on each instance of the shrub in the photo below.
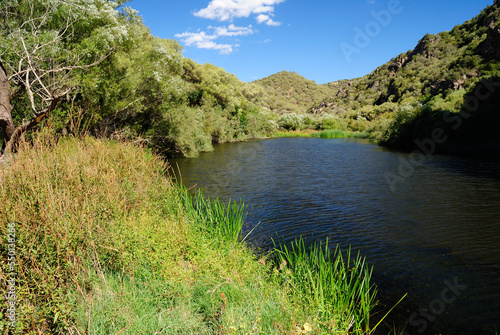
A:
[331,122]
[290,121]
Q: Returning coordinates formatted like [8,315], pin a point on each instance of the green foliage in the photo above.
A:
[401,125]
[260,123]
[452,103]
[288,92]
[142,87]
[225,221]
[430,79]
[331,122]
[73,204]
[290,121]
[181,131]
[46,46]
[436,74]
[332,133]
[462,119]
[337,291]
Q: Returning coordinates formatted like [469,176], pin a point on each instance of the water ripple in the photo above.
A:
[440,224]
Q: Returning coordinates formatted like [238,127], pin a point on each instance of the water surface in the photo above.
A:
[430,229]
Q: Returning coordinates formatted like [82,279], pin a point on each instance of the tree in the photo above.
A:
[135,86]
[44,47]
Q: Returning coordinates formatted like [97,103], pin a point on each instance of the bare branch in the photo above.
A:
[30,124]
[79,67]
[30,93]
[128,105]
[5,107]
[27,80]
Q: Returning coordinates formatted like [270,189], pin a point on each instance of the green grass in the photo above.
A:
[338,291]
[217,218]
[297,133]
[328,133]
[335,133]
[107,244]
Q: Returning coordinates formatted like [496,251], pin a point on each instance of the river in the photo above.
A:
[430,226]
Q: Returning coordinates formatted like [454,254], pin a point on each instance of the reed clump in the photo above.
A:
[328,133]
[335,288]
[336,133]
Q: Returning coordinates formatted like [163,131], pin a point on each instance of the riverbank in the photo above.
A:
[104,243]
[327,133]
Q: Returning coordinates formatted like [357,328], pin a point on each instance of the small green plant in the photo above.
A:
[290,121]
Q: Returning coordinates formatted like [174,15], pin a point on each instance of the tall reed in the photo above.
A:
[338,291]
[225,220]
[336,133]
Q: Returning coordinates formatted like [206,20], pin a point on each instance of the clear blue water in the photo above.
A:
[435,234]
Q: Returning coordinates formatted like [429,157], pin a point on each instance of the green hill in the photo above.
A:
[290,92]
[439,76]
[439,64]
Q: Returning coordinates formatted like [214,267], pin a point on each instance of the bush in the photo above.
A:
[331,122]
[290,121]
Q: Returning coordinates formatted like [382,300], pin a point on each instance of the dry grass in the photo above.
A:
[77,205]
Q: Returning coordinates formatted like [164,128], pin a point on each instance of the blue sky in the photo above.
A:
[321,40]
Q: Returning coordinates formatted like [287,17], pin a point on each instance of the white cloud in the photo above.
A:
[224,49]
[224,10]
[262,18]
[202,40]
[227,10]
[271,22]
[232,30]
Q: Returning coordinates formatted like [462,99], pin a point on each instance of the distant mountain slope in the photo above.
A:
[439,64]
[290,92]
[404,99]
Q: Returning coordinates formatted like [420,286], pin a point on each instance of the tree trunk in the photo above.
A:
[16,134]
[6,124]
